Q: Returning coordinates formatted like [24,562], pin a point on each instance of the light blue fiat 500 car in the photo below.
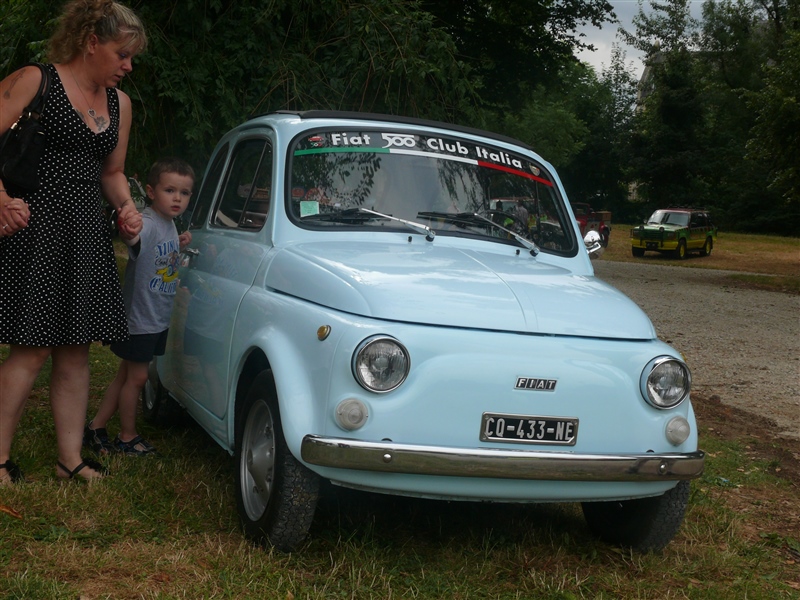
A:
[407,307]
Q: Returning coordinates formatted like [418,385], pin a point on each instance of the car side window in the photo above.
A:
[248,184]
[208,190]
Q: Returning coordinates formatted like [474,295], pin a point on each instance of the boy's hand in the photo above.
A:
[129,222]
[185,239]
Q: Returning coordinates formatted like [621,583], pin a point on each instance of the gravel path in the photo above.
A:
[741,345]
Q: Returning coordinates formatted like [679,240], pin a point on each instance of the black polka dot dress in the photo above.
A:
[58,277]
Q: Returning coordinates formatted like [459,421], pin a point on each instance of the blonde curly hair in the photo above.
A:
[107,19]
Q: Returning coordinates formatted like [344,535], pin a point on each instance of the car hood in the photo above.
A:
[454,287]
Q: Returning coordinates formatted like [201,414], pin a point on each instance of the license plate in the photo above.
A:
[529,429]
[652,245]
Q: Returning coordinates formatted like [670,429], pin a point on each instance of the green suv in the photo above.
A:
[676,231]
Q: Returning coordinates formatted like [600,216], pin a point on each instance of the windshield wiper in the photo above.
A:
[468,218]
[365,214]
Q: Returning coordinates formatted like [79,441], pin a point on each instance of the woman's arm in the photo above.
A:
[113,182]
[16,92]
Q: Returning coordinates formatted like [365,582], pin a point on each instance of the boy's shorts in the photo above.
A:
[141,348]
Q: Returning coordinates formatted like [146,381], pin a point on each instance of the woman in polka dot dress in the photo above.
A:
[59,287]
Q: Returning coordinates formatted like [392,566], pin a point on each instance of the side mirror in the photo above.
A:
[593,244]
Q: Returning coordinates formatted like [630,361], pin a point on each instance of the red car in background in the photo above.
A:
[591,220]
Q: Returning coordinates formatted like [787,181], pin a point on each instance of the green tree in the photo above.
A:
[666,160]
[776,133]
[24,28]
[597,173]
[516,45]
[734,47]
[211,64]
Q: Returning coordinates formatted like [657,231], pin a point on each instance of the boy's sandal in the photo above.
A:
[87,462]
[14,472]
[138,446]
[97,440]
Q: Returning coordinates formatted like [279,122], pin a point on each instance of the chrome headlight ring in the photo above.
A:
[666,382]
[381,364]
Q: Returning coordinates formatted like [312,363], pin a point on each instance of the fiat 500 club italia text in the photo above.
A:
[407,307]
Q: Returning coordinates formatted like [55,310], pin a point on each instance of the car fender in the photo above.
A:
[292,350]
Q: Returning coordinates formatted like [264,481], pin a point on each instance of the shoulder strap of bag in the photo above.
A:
[37,104]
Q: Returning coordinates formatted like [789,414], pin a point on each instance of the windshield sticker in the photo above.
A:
[416,145]
[308,208]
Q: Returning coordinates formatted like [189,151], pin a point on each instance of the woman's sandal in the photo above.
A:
[97,440]
[14,472]
[87,462]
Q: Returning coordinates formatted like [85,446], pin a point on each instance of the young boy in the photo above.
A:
[151,279]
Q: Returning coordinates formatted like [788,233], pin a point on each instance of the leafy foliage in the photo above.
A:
[212,65]
[516,45]
[597,172]
[22,32]
[776,140]
[716,123]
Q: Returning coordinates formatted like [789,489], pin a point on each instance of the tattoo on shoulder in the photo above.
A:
[7,93]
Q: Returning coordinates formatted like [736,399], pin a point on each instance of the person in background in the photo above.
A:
[151,281]
[59,285]
[522,214]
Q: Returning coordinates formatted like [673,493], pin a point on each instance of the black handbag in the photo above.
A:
[22,146]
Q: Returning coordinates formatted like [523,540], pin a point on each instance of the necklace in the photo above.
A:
[100,122]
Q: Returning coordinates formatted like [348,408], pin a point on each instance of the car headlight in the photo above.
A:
[381,364]
[666,382]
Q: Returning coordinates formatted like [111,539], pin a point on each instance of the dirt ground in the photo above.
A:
[743,347]
[767,512]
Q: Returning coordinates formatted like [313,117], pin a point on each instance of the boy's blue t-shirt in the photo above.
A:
[151,277]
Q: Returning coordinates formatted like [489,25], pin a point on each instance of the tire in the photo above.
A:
[158,407]
[637,252]
[680,251]
[644,525]
[707,247]
[276,495]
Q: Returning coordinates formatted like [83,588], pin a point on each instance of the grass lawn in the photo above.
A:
[758,261]
[163,528]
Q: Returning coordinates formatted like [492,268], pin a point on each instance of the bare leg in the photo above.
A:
[129,398]
[17,376]
[69,398]
[110,402]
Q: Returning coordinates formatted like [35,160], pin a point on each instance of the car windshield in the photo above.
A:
[373,179]
[666,217]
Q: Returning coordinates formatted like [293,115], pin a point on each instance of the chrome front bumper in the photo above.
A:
[389,457]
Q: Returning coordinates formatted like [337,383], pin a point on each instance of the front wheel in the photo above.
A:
[276,495]
[644,525]
[680,251]
[707,247]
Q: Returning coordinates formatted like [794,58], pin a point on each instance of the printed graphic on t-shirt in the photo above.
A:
[166,264]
